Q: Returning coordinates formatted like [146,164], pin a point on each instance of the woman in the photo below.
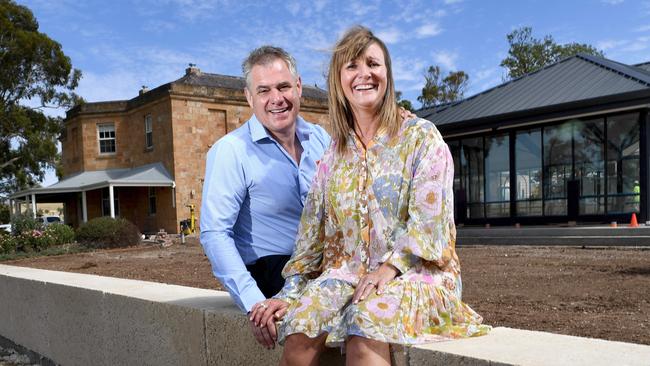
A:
[375,261]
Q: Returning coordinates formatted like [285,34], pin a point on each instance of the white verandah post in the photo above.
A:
[110,200]
[33,205]
[84,207]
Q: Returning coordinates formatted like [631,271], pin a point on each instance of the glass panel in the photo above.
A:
[106,134]
[557,167]
[148,130]
[473,156]
[528,166]
[459,195]
[589,158]
[529,208]
[454,148]
[152,201]
[497,168]
[623,163]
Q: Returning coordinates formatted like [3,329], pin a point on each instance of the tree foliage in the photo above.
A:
[35,75]
[404,103]
[439,90]
[528,54]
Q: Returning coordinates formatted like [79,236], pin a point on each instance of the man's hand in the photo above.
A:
[262,319]
[372,280]
[263,336]
[406,114]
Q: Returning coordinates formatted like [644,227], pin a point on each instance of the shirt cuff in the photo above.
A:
[249,299]
[403,262]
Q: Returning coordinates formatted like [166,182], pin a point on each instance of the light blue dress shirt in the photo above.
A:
[253,195]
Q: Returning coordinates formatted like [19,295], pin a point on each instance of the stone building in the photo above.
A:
[144,158]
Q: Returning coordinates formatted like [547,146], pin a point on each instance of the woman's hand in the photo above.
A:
[372,280]
[263,315]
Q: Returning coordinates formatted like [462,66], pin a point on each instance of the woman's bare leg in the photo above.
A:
[364,351]
[302,350]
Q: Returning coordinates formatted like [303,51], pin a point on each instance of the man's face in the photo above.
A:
[274,95]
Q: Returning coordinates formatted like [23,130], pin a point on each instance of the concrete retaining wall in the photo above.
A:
[76,319]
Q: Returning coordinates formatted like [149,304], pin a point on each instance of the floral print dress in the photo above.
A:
[391,202]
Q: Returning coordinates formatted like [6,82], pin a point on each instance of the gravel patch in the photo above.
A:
[11,357]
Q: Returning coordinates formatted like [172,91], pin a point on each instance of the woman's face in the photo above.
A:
[364,79]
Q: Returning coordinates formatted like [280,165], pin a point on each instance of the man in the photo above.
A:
[256,181]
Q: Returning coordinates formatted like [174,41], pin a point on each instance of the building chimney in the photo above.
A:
[143,90]
[192,70]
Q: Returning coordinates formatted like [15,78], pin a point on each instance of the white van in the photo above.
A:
[49,220]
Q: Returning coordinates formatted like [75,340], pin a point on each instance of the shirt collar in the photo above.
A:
[258,132]
[302,129]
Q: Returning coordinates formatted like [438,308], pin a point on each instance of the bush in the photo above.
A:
[7,243]
[106,232]
[60,233]
[33,241]
[24,223]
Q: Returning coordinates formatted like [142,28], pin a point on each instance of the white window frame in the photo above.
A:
[106,128]
[148,131]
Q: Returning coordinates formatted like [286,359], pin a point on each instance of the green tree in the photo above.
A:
[439,90]
[528,54]
[34,69]
[404,103]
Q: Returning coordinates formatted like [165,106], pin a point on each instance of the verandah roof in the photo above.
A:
[150,175]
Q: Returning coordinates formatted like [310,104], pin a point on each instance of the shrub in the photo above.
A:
[106,232]
[24,223]
[7,243]
[60,233]
[33,241]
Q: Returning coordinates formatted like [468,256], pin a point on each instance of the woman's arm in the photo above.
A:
[430,231]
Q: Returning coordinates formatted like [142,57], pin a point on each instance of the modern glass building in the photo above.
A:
[566,143]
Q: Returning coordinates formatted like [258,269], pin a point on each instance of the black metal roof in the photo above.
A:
[238,83]
[577,78]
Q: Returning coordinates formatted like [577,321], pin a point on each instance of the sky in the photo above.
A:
[122,45]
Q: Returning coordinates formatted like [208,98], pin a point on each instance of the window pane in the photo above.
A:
[497,167]
[528,165]
[149,139]
[459,195]
[589,157]
[473,156]
[557,167]
[152,201]
[454,148]
[148,131]
[106,133]
[623,163]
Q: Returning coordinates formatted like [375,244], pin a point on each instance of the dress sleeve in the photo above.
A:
[306,260]
[430,232]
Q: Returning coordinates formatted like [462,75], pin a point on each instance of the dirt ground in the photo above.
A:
[591,292]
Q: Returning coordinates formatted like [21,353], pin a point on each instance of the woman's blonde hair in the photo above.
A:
[353,43]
